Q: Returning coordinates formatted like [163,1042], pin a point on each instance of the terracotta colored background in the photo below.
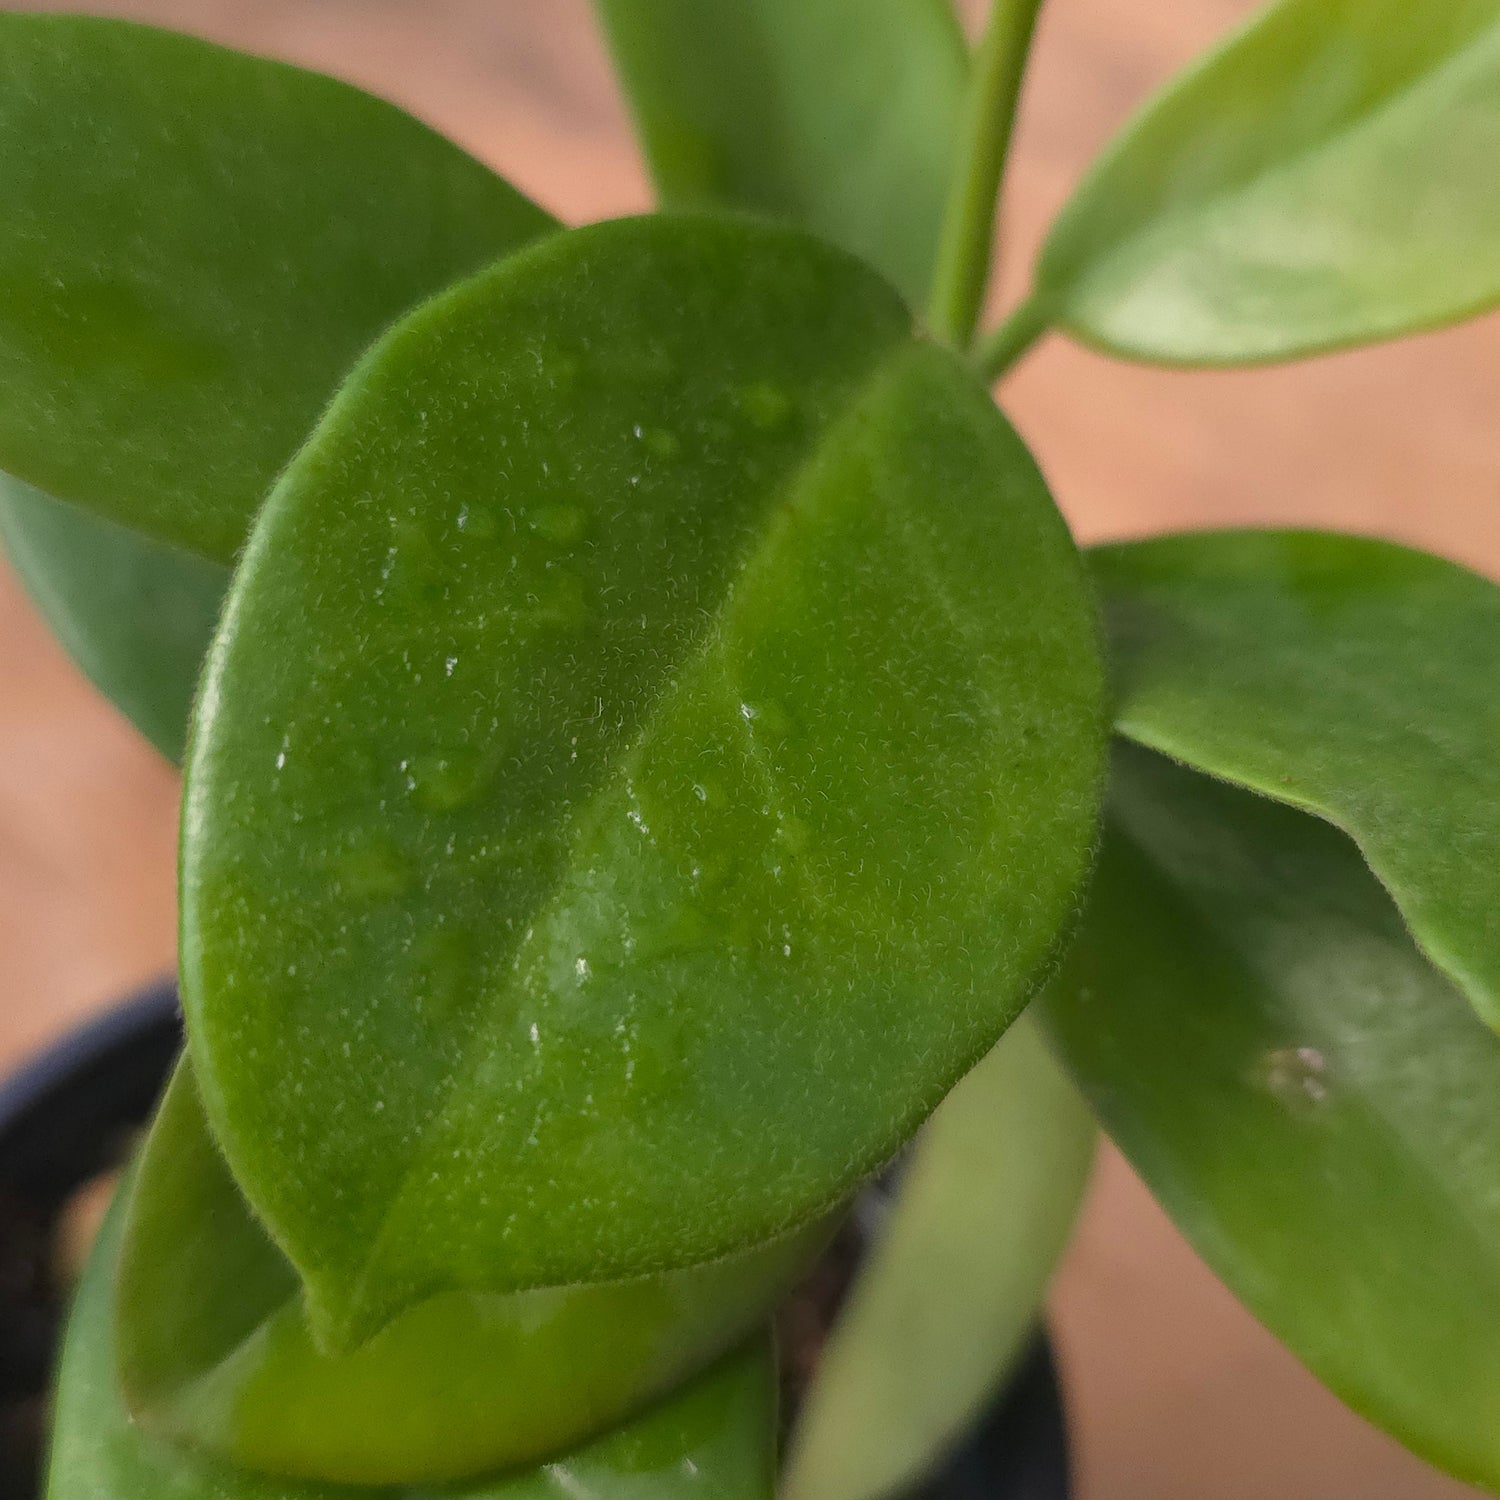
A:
[1176,1394]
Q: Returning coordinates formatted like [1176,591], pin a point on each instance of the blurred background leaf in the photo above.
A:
[1344,675]
[195,245]
[1305,1094]
[1321,180]
[135,614]
[843,116]
[951,1289]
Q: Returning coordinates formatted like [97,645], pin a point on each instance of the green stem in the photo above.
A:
[965,250]
[1002,348]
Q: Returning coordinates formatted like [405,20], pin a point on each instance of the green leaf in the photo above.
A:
[843,116]
[651,748]
[194,247]
[214,1348]
[1311,1101]
[1323,180]
[715,1437]
[137,615]
[950,1291]
[1343,675]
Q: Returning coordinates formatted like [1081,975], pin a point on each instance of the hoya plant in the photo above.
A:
[651,743]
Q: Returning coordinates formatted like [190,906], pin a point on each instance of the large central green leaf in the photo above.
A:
[651,747]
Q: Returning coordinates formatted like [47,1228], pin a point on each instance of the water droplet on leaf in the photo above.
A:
[476,525]
[1296,1076]
[447,780]
[793,833]
[559,602]
[560,523]
[764,405]
[659,442]
[375,871]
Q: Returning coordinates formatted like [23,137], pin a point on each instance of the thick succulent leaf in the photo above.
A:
[214,1348]
[840,115]
[194,248]
[951,1289]
[715,1438]
[1308,1097]
[1322,180]
[136,614]
[651,747]
[1343,675]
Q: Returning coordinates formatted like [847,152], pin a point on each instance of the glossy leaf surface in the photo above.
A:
[214,1348]
[1343,675]
[843,116]
[136,614]
[950,1292]
[1309,1098]
[715,1439]
[1322,180]
[652,745]
[194,248]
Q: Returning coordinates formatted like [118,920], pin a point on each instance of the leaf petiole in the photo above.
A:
[965,251]
[1005,345]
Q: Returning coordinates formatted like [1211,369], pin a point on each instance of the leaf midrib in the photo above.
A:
[586,817]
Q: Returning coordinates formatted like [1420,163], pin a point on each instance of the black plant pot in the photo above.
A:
[71,1114]
[65,1118]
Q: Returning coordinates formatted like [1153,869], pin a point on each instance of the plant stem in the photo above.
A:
[1002,348]
[965,250]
